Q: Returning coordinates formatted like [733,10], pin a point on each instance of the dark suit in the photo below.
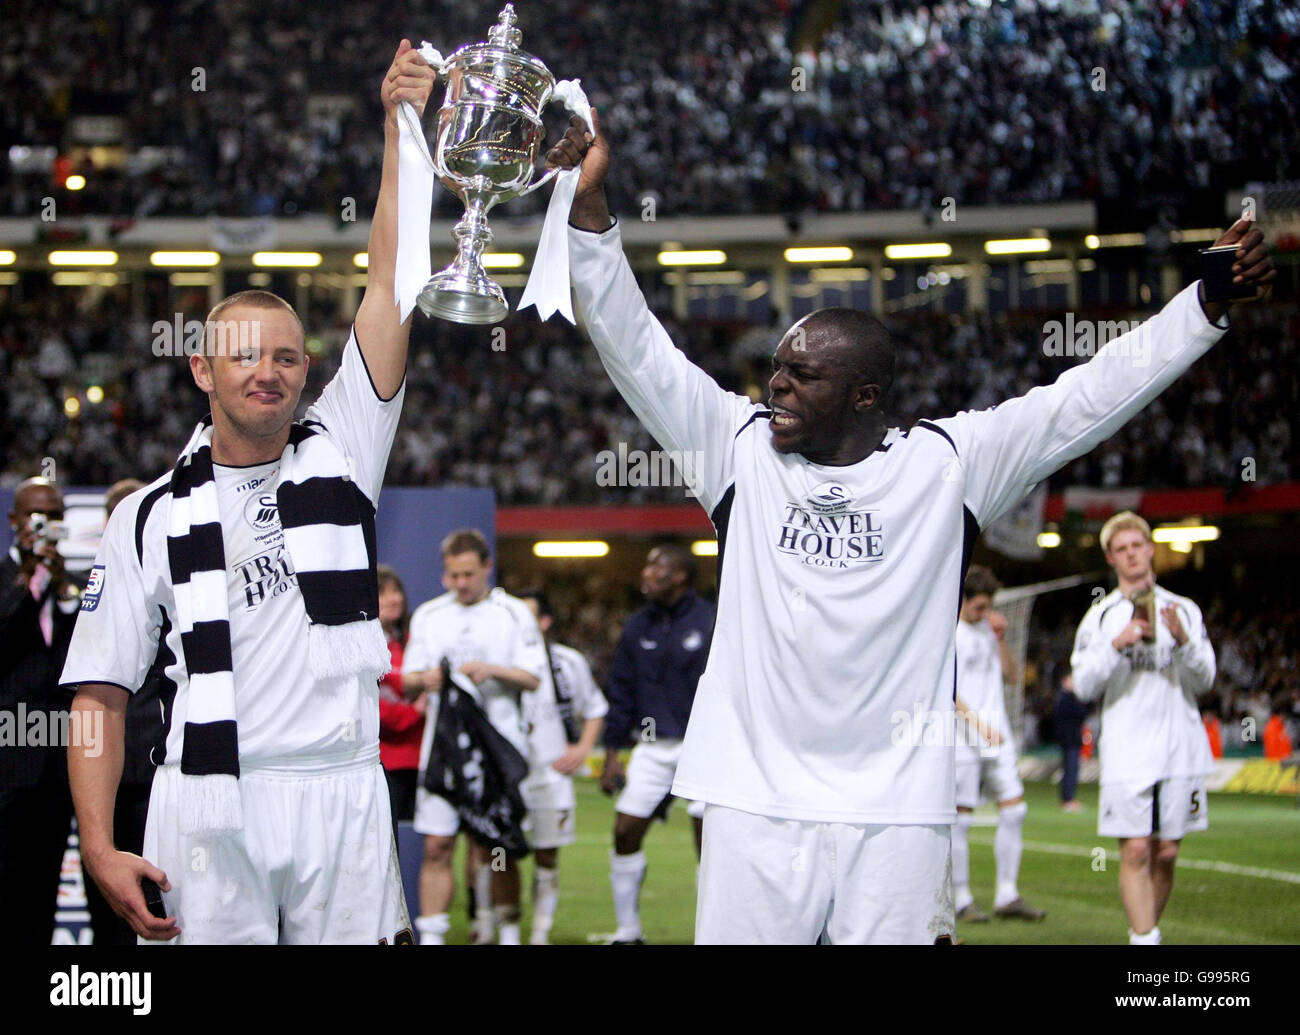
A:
[1067,722]
[35,803]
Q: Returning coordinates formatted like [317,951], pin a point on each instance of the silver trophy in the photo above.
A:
[489,134]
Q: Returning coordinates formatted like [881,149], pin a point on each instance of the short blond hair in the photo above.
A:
[1125,519]
[251,299]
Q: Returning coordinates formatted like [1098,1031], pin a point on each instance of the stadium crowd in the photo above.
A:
[532,421]
[240,108]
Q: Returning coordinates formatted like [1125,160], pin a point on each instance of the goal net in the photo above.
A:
[1016,604]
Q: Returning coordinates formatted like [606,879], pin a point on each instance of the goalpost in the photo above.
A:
[1016,603]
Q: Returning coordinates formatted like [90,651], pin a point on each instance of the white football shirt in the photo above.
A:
[979,680]
[1150,725]
[285,716]
[499,630]
[546,739]
[839,586]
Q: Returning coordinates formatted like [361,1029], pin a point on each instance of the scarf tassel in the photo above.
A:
[342,651]
[210,804]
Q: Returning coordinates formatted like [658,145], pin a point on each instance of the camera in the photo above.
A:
[45,531]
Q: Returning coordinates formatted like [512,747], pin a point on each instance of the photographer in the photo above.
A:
[38,606]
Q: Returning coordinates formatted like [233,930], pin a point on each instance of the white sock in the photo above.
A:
[546,893]
[626,872]
[1152,937]
[961,896]
[1008,844]
[508,934]
[432,928]
[507,918]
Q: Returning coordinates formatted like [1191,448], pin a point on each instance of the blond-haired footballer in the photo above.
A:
[1145,653]
[253,563]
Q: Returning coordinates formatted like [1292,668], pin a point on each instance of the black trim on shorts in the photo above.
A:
[1155,808]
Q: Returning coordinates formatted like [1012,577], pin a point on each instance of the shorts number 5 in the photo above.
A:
[1196,802]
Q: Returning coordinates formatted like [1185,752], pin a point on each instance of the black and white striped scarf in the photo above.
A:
[329,534]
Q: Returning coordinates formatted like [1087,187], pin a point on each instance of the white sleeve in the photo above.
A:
[358,421]
[1005,451]
[417,655]
[1094,661]
[528,651]
[588,699]
[115,639]
[1195,659]
[677,402]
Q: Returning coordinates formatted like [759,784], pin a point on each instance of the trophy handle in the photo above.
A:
[416,127]
[569,93]
[549,175]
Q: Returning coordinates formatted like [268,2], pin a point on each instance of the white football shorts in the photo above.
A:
[650,773]
[551,808]
[1168,808]
[995,774]
[434,814]
[767,881]
[315,863]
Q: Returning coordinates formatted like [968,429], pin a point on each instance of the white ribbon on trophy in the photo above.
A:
[415,184]
[548,284]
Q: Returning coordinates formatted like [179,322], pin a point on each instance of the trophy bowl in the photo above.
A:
[489,135]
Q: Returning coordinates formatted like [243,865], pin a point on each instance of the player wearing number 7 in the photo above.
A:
[1145,652]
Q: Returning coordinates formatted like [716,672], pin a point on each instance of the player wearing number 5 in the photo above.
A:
[1145,653]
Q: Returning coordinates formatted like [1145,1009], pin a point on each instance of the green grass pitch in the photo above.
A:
[1237,883]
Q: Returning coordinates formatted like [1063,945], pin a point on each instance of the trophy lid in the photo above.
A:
[505,33]
[500,69]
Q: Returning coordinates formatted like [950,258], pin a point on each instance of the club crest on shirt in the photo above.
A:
[831,540]
[262,511]
[829,498]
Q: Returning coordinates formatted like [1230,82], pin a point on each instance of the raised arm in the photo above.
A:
[382,336]
[680,405]
[1006,450]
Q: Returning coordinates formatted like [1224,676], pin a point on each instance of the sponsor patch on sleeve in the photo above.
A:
[94,587]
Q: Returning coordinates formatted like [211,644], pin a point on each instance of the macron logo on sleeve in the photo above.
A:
[94,587]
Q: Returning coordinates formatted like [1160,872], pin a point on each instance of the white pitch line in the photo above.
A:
[1190,864]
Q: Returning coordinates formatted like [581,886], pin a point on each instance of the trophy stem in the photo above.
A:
[463,292]
[472,232]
